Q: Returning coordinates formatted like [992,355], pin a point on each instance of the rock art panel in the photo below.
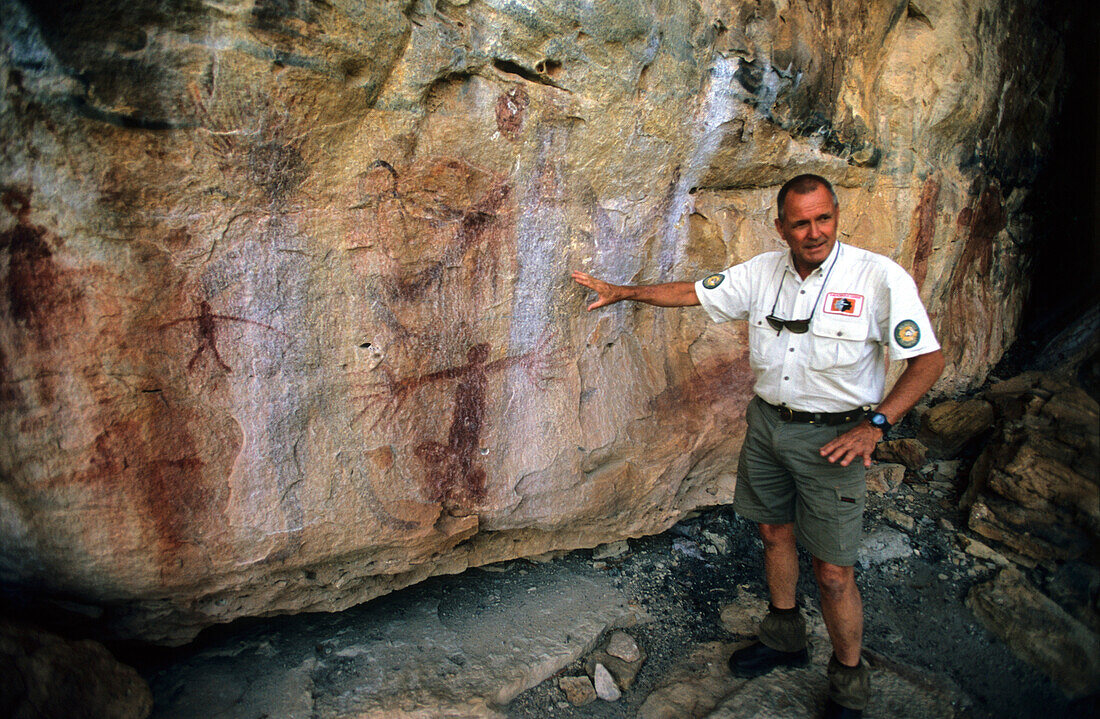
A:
[285,316]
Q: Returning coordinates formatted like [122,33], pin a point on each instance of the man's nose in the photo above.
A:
[815,230]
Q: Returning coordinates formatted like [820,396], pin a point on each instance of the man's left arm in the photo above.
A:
[921,372]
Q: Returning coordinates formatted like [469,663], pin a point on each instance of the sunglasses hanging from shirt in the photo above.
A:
[798,327]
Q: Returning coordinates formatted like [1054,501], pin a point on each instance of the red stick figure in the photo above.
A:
[453,478]
[206,331]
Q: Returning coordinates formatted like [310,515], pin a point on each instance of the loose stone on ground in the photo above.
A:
[578,690]
[885,478]
[606,688]
[882,545]
[623,646]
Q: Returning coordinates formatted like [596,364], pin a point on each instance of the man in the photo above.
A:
[821,318]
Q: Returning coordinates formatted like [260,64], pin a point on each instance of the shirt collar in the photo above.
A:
[820,269]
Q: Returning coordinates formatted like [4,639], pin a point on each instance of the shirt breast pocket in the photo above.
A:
[762,343]
[839,344]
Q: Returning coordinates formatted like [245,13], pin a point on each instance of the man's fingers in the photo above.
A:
[601,288]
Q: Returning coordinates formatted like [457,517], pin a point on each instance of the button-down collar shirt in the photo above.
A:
[862,305]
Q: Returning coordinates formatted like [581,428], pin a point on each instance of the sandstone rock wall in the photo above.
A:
[286,319]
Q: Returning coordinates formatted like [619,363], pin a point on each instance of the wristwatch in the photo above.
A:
[878,419]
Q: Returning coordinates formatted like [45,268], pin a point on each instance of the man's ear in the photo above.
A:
[779,226]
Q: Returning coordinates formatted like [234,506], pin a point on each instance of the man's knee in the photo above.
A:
[777,535]
[832,579]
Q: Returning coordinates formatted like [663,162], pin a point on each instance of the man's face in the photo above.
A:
[808,227]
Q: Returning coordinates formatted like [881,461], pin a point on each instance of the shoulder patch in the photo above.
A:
[713,281]
[907,333]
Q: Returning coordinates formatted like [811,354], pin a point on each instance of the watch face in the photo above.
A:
[878,419]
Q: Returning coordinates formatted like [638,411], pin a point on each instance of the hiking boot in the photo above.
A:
[849,689]
[758,658]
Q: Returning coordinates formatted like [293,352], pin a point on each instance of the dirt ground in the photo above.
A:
[914,609]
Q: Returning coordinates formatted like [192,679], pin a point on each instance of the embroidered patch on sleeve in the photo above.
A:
[907,333]
[843,303]
[713,281]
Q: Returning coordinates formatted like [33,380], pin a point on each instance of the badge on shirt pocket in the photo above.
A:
[843,303]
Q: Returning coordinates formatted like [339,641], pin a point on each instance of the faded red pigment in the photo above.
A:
[712,384]
[32,284]
[510,111]
[925,217]
[453,477]
[472,231]
[984,221]
[154,460]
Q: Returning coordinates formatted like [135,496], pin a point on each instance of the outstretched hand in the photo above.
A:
[608,293]
[859,441]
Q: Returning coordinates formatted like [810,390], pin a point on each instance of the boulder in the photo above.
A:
[287,320]
[624,671]
[950,425]
[1035,480]
[899,519]
[44,676]
[1035,534]
[622,646]
[884,478]
[1025,490]
[460,650]
[1039,631]
[905,451]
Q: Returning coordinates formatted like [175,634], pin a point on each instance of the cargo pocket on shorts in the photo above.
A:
[850,501]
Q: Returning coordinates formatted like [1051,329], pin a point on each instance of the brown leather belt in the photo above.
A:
[828,418]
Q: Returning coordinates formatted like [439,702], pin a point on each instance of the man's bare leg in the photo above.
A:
[782,637]
[780,563]
[842,609]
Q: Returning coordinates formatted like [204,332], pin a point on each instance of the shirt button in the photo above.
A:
[792,349]
[839,334]
[802,292]
[786,378]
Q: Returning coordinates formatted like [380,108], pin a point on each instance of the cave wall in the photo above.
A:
[286,321]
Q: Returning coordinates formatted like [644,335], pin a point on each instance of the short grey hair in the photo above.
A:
[803,185]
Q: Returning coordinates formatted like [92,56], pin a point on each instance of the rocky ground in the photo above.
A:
[914,607]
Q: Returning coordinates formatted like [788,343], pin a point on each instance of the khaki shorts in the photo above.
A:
[782,478]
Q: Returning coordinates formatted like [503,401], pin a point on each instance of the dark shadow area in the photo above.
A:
[1065,202]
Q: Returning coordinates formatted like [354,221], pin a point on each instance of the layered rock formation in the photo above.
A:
[286,320]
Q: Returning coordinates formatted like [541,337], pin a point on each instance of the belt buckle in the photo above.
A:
[786,414]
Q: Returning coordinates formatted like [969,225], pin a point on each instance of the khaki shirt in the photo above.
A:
[862,305]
